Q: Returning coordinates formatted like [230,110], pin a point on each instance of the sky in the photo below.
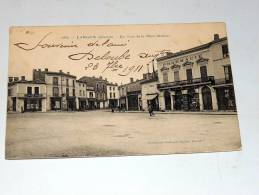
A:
[115,52]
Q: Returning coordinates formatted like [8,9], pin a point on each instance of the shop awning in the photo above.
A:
[151,96]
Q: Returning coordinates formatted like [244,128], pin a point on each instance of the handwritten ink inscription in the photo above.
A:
[109,60]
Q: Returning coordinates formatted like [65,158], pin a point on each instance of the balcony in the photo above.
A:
[33,95]
[183,83]
[223,81]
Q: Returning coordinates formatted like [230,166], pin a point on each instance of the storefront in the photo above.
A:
[91,103]
[55,103]
[133,101]
[226,98]
[71,103]
[113,103]
[82,104]
[32,104]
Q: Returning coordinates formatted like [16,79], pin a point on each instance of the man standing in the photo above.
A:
[150,110]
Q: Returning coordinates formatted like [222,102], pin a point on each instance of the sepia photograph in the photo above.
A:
[120,90]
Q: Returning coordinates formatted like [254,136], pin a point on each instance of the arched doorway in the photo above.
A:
[206,97]
[167,100]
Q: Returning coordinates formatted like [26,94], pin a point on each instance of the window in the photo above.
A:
[114,95]
[67,91]
[79,84]
[97,86]
[204,74]
[29,90]
[80,92]
[91,94]
[113,88]
[228,73]
[67,82]
[83,93]
[55,80]
[165,77]
[36,90]
[73,83]
[189,75]
[176,76]
[225,51]
[110,94]
[55,91]
[110,88]
[74,92]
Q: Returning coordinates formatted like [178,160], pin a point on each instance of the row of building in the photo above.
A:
[195,79]
[60,91]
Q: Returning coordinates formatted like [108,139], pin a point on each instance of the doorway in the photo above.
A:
[167,100]
[206,97]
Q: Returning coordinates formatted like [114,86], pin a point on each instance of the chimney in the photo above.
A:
[22,78]
[68,72]
[10,79]
[131,80]
[46,70]
[100,77]
[144,76]
[216,37]
[106,79]
[16,78]
[39,70]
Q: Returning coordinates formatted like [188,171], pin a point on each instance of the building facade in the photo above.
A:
[199,78]
[100,90]
[112,95]
[61,89]
[81,95]
[26,95]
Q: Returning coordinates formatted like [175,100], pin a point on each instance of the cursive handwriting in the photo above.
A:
[107,56]
[40,44]
[106,43]
[147,55]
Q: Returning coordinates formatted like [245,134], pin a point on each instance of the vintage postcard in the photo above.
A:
[120,90]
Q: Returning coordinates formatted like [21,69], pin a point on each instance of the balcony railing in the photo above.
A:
[182,83]
[33,95]
[223,81]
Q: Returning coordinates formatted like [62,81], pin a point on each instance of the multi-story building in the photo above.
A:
[149,92]
[112,95]
[61,89]
[91,98]
[26,95]
[100,89]
[123,103]
[81,95]
[198,78]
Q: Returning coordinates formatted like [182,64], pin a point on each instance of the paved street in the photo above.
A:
[102,133]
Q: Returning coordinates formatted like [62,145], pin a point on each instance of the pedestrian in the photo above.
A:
[150,110]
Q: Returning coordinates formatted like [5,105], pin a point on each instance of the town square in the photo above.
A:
[103,133]
[165,102]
